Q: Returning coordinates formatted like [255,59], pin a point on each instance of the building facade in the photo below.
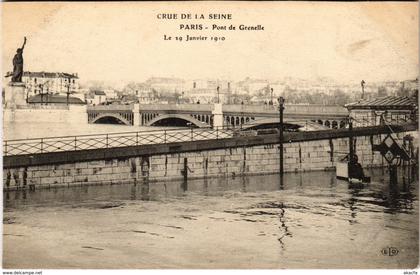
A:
[49,82]
[384,110]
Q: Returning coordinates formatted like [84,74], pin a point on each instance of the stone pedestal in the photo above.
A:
[217,115]
[136,115]
[15,95]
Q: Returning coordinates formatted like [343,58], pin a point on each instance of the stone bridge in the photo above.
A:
[202,115]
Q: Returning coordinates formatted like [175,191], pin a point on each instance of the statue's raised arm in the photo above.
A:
[24,42]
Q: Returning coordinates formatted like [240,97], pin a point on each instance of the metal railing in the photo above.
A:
[301,109]
[110,140]
[123,139]
[118,107]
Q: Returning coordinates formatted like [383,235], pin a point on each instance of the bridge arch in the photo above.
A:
[115,116]
[185,117]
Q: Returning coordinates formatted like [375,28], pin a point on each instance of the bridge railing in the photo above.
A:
[111,140]
[119,107]
[231,108]
[176,107]
[289,109]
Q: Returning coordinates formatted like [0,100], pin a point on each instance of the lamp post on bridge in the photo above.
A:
[218,94]
[67,85]
[271,101]
[41,92]
[363,88]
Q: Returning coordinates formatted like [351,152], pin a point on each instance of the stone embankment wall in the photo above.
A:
[258,159]
[74,114]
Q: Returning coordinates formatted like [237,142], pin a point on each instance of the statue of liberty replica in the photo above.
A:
[15,90]
[18,64]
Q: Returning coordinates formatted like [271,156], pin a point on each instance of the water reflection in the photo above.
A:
[284,229]
[332,182]
[133,192]
[17,195]
[144,191]
[205,186]
[354,189]
[392,198]
[25,129]
[281,181]
[245,182]
[144,188]
[293,220]
[184,185]
[85,189]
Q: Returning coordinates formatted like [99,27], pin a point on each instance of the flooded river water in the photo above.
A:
[24,130]
[311,220]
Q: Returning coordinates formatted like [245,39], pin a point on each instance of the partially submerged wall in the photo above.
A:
[232,161]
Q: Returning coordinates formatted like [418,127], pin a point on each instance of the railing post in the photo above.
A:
[75,143]
[106,140]
[217,132]
[192,134]
[42,145]
[137,138]
[164,136]
[5,148]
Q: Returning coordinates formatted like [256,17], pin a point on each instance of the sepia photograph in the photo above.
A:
[210,135]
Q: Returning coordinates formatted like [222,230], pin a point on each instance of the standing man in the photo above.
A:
[18,64]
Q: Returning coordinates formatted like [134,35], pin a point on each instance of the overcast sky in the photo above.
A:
[124,41]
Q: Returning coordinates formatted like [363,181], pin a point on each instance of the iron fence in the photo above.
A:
[123,139]
[111,140]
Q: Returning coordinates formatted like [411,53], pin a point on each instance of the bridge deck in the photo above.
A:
[269,110]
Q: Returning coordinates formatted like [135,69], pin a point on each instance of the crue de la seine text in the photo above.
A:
[190,22]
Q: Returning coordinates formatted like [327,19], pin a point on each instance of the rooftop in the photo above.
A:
[156,80]
[385,103]
[99,93]
[46,74]
[56,99]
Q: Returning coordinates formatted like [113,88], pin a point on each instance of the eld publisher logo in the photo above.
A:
[390,251]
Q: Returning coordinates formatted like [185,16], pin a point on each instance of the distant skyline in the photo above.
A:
[121,84]
[122,42]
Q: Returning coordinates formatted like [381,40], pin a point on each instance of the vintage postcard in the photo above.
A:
[210,135]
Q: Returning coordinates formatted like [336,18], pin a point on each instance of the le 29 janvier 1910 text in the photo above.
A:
[199,26]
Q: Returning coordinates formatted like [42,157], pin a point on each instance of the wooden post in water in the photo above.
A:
[281,108]
[351,146]
[393,174]
[185,174]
